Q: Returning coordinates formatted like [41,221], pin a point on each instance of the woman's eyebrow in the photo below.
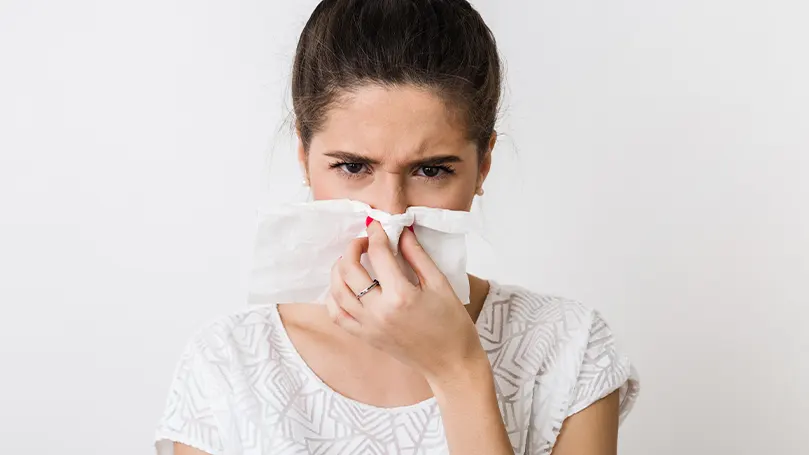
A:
[437,160]
[349,157]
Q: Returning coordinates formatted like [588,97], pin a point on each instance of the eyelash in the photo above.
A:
[446,170]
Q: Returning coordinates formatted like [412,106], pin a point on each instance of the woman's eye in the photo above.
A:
[433,171]
[352,168]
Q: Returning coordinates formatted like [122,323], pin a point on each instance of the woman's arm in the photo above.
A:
[473,424]
[593,431]
[182,449]
[470,413]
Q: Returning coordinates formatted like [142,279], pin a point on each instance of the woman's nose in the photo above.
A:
[389,197]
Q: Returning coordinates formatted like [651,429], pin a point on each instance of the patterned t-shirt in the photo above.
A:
[242,388]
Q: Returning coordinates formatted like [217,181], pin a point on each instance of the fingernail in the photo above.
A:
[411,229]
[368,221]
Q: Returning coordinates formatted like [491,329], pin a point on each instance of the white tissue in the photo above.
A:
[297,244]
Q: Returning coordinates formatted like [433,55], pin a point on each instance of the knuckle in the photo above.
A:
[439,282]
[334,315]
[344,271]
[398,299]
[377,241]
[386,318]
[339,297]
[356,244]
[339,269]
[412,243]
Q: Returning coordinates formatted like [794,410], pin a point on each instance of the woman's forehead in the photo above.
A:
[399,120]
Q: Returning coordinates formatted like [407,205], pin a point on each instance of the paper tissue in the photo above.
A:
[297,245]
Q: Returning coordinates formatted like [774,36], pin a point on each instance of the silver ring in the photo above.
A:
[374,284]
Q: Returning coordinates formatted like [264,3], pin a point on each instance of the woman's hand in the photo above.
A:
[425,325]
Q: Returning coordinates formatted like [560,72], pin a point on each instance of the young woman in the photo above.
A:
[395,104]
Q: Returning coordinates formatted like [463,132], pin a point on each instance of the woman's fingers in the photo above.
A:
[351,270]
[419,260]
[382,257]
[343,294]
[341,317]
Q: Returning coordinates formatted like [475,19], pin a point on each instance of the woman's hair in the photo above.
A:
[440,45]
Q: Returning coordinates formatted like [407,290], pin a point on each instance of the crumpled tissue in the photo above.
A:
[296,246]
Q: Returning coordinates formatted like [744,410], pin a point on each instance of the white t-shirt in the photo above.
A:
[242,388]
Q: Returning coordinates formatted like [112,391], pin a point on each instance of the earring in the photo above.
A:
[480,191]
[305,182]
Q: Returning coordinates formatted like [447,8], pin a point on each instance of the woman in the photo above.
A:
[395,104]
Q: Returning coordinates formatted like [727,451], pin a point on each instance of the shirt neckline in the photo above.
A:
[298,360]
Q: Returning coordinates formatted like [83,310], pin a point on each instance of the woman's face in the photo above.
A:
[393,148]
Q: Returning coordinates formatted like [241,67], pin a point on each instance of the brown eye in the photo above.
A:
[434,173]
[353,168]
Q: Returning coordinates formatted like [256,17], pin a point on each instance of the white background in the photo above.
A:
[654,164]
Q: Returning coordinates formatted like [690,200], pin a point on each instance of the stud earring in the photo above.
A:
[480,191]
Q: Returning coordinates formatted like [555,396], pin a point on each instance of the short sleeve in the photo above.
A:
[603,371]
[188,417]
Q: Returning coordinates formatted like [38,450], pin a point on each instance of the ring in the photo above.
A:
[374,284]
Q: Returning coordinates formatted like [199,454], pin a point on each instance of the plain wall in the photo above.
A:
[654,164]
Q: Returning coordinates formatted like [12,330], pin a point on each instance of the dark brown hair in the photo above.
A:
[441,45]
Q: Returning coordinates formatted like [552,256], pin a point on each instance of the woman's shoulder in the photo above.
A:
[555,323]
[568,344]
[217,361]
[250,318]
[248,332]
[531,310]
